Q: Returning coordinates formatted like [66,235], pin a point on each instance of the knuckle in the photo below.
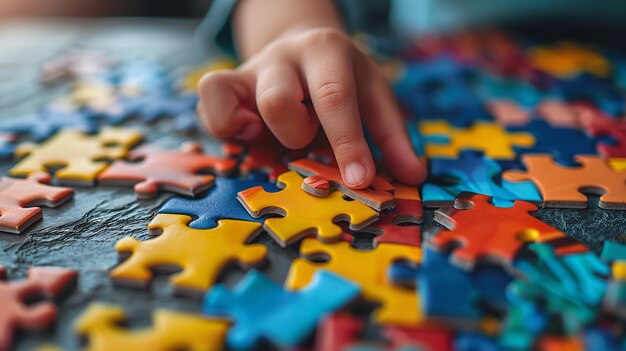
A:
[344,143]
[332,94]
[326,36]
[273,104]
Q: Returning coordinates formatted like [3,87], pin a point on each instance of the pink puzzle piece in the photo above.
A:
[508,113]
[42,282]
[600,125]
[18,196]
[378,196]
[152,169]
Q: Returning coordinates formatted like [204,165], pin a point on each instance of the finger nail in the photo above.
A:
[354,173]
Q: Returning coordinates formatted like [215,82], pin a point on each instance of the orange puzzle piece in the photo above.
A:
[153,169]
[47,282]
[487,231]
[561,186]
[17,196]
[200,253]
[378,196]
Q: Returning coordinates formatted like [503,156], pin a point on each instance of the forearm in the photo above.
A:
[258,22]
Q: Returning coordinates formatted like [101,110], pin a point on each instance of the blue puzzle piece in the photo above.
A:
[599,91]
[146,76]
[43,124]
[7,145]
[474,173]
[187,122]
[599,339]
[152,107]
[440,88]
[613,251]
[491,87]
[561,142]
[220,202]
[262,309]
[471,341]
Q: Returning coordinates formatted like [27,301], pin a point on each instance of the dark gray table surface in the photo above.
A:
[82,234]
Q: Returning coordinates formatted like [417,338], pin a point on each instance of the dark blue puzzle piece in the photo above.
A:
[598,91]
[472,341]
[220,202]
[262,309]
[496,88]
[7,144]
[440,88]
[599,339]
[152,107]
[42,125]
[561,142]
[474,173]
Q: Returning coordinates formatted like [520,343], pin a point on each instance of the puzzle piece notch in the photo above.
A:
[398,304]
[20,198]
[220,203]
[302,213]
[152,169]
[490,138]
[498,239]
[80,156]
[50,283]
[201,254]
[561,186]
[101,325]
[378,196]
[262,309]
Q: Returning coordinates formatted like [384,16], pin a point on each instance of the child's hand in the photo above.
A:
[302,80]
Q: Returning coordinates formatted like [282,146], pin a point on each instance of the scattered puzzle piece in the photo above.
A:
[262,309]
[338,332]
[302,213]
[201,254]
[561,142]
[101,324]
[603,126]
[489,138]
[475,173]
[79,155]
[567,59]
[7,144]
[508,113]
[18,196]
[152,107]
[264,154]
[426,337]
[398,304]
[378,196]
[220,203]
[560,186]
[152,170]
[49,283]
[618,164]
[500,238]
[45,123]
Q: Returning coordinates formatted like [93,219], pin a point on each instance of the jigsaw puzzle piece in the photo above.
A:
[424,337]
[338,332]
[201,254]
[600,125]
[304,214]
[102,325]
[475,173]
[472,341]
[508,113]
[20,198]
[561,142]
[7,144]
[45,123]
[151,170]
[399,306]
[46,283]
[262,309]
[152,107]
[568,59]
[265,154]
[613,251]
[493,140]
[220,203]
[618,164]
[498,239]
[79,155]
[378,196]
[560,186]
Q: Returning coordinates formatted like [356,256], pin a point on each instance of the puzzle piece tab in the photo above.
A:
[560,186]
[398,304]
[152,170]
[49,283]
[19,199]
[493,140]
[220,203]
[378,196]
[262,309]
[499,238]
[79,155]
[473,173]
[101,324]
[304,214]
[200,253]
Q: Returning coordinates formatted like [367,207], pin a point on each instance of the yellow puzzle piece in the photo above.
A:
[200,253]
[618,164]
[567,59]
[101,324]
[490,138]
[304,214]
[399,305]
[192,78]
[81,156]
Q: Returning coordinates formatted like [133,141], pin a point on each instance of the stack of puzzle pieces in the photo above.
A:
[507,129]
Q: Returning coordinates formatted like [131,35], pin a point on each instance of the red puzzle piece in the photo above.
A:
[48,282]
[600,125]
[338,332]
[487,231]
[426,338]
[17,194]
[153,169]
[378,196]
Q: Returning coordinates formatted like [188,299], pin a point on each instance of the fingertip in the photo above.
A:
[359,174]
